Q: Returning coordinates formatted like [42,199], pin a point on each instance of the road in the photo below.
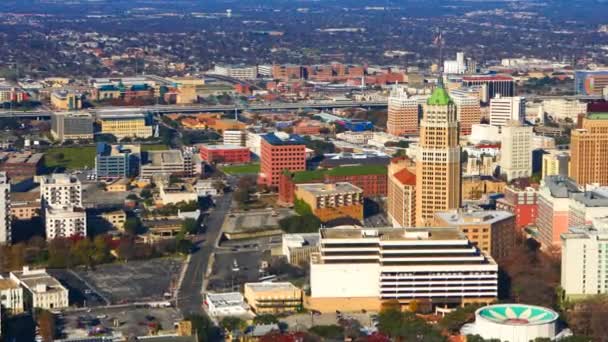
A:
[189,296]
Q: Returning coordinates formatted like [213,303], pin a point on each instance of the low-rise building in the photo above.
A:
[11,296]
[72,126]
[164,163]
[296,248]
[41,290]
[125,123]
[235,137]
[521,202]
[66,100]
[205,188]
[493,231]
[225,154]
[273,298]
[587,206]
[19,165]
[225,304]
[116,218]
[25,205]
[117,161]
[332,201]
[175,193]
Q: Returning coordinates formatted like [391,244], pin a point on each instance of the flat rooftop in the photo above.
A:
[560,187]
[319,189]
[24,158]
[224,147]
[392,234]
[34,280]
[285,286]
[165,157]
[467,217]
[281,138]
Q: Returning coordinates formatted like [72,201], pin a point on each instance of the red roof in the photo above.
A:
[488,78]
[406,177]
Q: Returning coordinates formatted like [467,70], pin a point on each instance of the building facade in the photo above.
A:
[280,152]
[522,202]
[516,151]
[491,85]
[506,109]
[11,296]
[125,124]
[332,201]
[468,110]
[5,210]
[40,289]
[234,137]
[587,206]
[587,82]
[589,150]
[72,126]
[66,100]
[554,208]
[225,154]
[556,163]
[401,198]
[273,298]
[60,189]
[359,268]
[403,112]
[65,222]
[438,167]
[117,161]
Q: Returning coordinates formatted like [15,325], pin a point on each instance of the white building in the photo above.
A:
[234,137]
[585,259]
[505,109]
[205,188]
[484,133]
[60,189]
[358,268]
[5,209]
[516,151]
[11,295]
[357,138]
[561,108]
[241,72]
[42,290]
[65,221]
[254,143]
[226,304]
[298,247]
[587,206]
[457,66]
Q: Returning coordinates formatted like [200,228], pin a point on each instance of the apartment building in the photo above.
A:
[359,269]
[332,201]
[40,289]
[404,112]
[60,189]
[554,208]
[65,221]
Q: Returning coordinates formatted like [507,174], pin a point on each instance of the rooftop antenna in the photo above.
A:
[439,42]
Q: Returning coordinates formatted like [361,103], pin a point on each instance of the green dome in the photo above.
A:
[440,97]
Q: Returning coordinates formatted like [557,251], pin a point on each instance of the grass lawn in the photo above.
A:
[70,157]
[154,147]
[241,169]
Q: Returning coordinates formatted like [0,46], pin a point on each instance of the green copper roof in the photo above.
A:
[440,97]
[597,116]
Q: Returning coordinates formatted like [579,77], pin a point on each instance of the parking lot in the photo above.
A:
[226,276]
[135,281]
[81,294]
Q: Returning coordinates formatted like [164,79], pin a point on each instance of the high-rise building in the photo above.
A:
[468,110]
[438,173]
[589,150]
[403,112]
[66,221]
[359,268]
[61,201]
[5,210]
[72,126]
[280,152]
[554,208]
[516,151]
[401,197]
[505,109]
[60,189]
[584,265]
[587,82]
[491,85]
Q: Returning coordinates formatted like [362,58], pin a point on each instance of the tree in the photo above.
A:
[82,251]
[205,329]
[132,197]
[101,252]
[232,324]
[453,321]
[126,247]
[265,319]
[300,224]
[145,194]
[46,324]
[332,332]
[59,253]
[189,226]
[301,207]
[132,225]
[406,326]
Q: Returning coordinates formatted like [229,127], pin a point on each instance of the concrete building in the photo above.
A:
[11,296]
[25,205]
[587,206]
[60,189]
[234,137]
[506,109]
[66,221]
[72,126]
[493,231]
[403,112]
[438,167]
[125,123]
[401,198]
[556,163]
[273,298]
[40,289]
[561,109]
[297,248]
[584,266]
[241,72]
[175,193]
[554,208]
[332,201]
[484,133]
[280,152]
[225,154]
[589,155]
[225,304]
[468,110]
[516,151]
[117,161]
[457,66]
[19,165]
[359,268]
[5,210]
[66,100]
[164,163]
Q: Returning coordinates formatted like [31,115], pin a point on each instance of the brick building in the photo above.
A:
[21,165]
[279,152]
[522,202]
[225,154]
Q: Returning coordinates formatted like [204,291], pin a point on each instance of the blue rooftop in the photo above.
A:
[281,138]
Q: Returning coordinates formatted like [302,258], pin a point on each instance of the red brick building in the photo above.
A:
[279,152]
[225,154]
[21,165]
[307,128]
[522,202]
[371,179]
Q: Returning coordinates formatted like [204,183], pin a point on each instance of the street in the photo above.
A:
[189,296]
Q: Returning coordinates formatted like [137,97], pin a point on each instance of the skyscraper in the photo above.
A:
[516,151]
[589,150]
[468,109]
[438,159]
[403,112]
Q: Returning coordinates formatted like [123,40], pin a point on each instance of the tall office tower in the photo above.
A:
[491,84]
[516,151]
[505,109]
[403,112]
[468,110]
[589,150]
[5,210]
[401,194]
[438,173]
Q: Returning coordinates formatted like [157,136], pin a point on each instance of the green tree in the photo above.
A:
[133,225]
[301,207]
[59,253]
[457,318]
[145,194]
[101,252]
[205,330]
[232,323]
[406,326]
[82,251]
[189,226]
[300,224]
[266,319]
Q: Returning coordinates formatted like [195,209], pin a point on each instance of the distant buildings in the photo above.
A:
[561,109]
[72,126]
[165,163]
[332,201]
[484,133]
[5,210]
[241,72]
[468,110]
[117,161]
[589,152]
[273,298]
[438,167]
[584,267]
[590,82]
[359,268]
[491,85]
[516,151]
[506,109]
[457,66]
[279,152]
[66,100]
[401,197]
[225,154]
[42,291]
[404,112]
[125,123]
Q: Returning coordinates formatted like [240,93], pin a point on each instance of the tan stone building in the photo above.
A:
[473,188]
[401,194]
[438,159]
[493,231]
[25,205]
[273,298]
[332,201]
[403,112]
[589,150]
[116,218]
